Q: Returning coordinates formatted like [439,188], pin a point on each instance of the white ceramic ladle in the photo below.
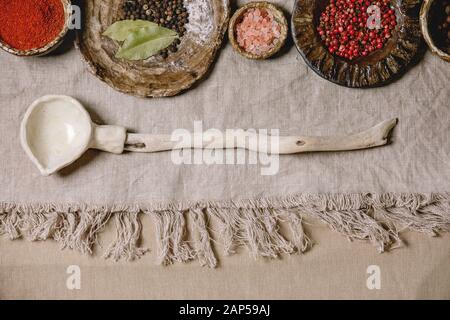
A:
[57,130]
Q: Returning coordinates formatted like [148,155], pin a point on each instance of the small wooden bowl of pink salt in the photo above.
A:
[258,30]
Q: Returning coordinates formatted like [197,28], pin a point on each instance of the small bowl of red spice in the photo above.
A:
[33,27]
[258,30]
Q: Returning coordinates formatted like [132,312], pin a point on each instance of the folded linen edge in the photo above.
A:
[183,229]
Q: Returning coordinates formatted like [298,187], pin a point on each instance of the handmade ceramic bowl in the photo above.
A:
[279,17]
[156,76]
[379,68]
[425,19]
[48,47]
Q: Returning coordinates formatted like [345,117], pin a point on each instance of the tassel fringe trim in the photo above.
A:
[267,227]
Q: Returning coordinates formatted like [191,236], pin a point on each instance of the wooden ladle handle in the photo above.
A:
[373,137]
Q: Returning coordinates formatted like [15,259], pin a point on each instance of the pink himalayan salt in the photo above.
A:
[258,31]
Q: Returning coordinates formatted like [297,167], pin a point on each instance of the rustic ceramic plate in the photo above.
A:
[155,77]
[377,69]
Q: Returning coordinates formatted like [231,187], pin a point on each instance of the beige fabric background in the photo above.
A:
[281,93]
[334,269]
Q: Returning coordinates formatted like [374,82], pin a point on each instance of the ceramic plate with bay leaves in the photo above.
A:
[131,63]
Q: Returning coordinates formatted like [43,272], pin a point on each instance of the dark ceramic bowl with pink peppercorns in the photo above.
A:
[49,47]
[398,48]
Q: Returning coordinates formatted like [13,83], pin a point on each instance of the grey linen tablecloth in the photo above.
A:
[368,195]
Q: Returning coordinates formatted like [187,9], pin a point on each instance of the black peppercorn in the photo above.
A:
[170,14]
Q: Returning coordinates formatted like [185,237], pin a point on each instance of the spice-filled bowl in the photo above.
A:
[258,30]
[33,28]
[435,25]
[358,43]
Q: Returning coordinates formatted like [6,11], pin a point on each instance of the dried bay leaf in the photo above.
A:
[145,42]
[120,30]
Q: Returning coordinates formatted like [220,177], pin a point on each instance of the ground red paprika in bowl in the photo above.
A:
[33,27]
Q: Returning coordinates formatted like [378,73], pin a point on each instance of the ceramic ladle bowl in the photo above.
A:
[57,130]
